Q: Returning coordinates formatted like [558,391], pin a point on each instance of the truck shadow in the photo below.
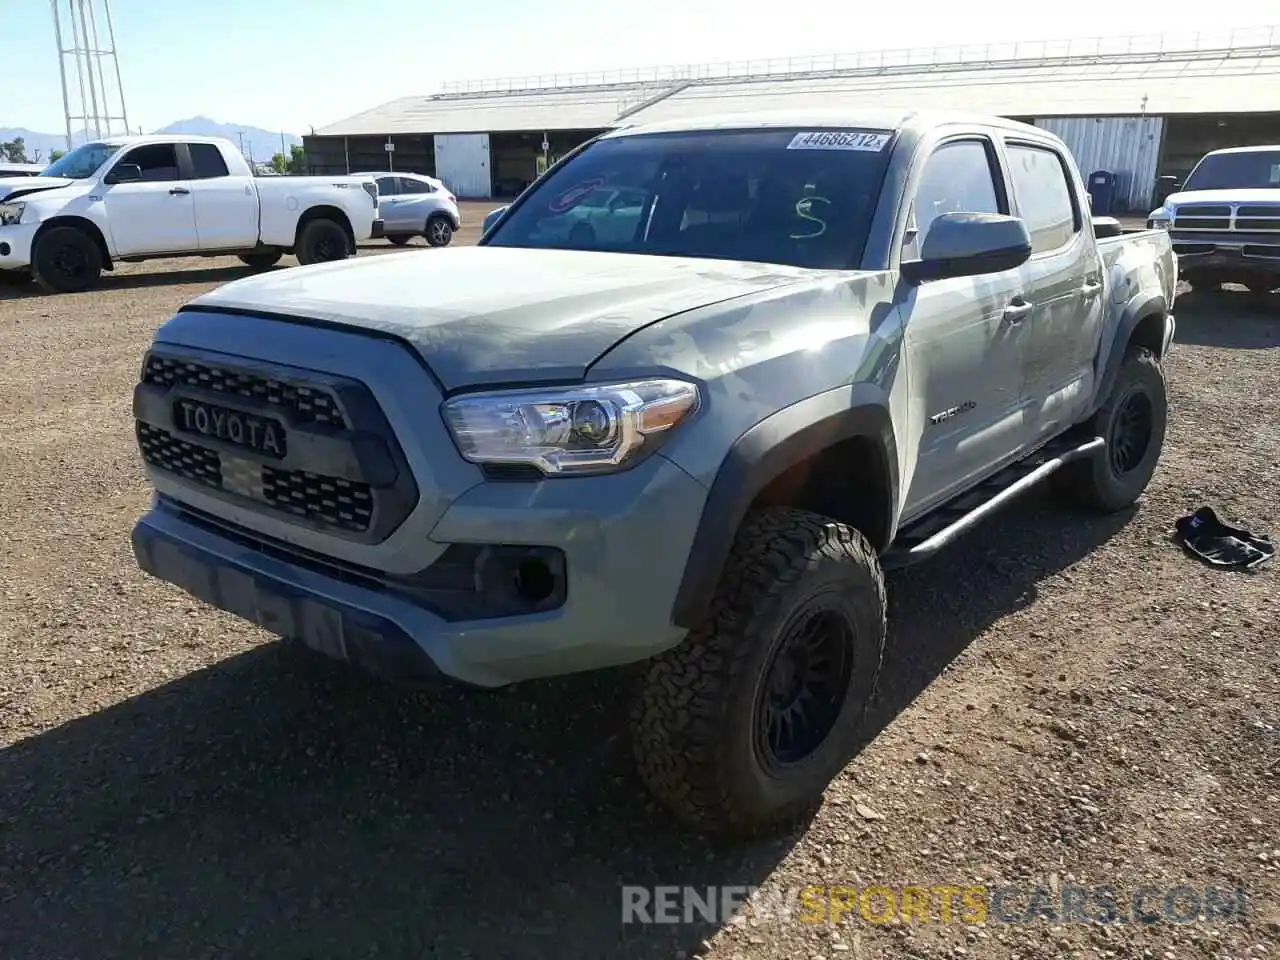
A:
[1235,320]
[274,805]
[28,290]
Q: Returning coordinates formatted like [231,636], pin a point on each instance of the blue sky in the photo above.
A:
[288,64]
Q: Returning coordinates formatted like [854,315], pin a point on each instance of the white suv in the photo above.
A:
[415,205]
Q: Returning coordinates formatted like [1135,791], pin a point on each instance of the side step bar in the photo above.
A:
[922,538]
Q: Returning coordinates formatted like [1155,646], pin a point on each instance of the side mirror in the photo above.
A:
[492,217]
[968,245]
[125,173]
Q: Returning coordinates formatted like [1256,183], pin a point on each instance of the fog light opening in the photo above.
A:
[534,581]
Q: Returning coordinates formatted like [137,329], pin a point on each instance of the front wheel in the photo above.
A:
[261,261]
[1132,422]
[321,241]
[742,726]
[399,239]
[439,231]
[66,260]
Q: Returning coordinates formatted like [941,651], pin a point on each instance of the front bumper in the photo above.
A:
[1229,262]
[625,549]
[378,230]
[15,245]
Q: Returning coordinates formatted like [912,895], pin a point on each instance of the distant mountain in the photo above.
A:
[262,143]
[258,144]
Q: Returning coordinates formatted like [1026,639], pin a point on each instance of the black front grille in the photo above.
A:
[332,501]
[342,471]
[1259,210]
[162,449]
[337,502]
[1201,223]
[307,404]
[1204,210]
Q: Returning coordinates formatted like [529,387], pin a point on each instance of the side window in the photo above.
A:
[159,161]
[1044,196]
[388,186]
[414,186]
[207,162]
[957,178]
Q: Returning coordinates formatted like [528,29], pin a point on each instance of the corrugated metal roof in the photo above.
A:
[581,109]
[1204,84]
[1228,85]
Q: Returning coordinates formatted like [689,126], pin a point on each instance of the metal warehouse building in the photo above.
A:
[1141,107]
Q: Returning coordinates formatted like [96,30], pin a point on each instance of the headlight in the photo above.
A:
[1158,224]
[595,428]
[11,213]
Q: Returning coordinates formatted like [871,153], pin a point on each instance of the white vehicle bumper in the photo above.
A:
[15,245]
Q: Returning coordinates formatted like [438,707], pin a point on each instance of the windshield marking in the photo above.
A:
[839,140]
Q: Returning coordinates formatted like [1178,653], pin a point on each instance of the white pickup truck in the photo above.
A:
[140,198]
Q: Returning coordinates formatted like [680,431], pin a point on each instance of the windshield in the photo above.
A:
[798,197]
[1223,171]
[82,162]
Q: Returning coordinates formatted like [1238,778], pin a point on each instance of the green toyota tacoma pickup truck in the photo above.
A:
[694,391]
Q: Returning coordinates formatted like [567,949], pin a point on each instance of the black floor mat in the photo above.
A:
[1204,535]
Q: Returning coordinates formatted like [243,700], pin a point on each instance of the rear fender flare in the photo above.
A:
[762,454]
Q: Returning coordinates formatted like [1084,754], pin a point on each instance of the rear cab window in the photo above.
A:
[1046,201]
[792,196]
[207,162]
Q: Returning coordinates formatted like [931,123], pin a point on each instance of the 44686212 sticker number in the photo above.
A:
[839,140]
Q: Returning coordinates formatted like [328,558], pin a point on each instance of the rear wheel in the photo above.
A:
[66,260]
[261,261]
[744,724]
[1133,423]
[321,241]
[439,231]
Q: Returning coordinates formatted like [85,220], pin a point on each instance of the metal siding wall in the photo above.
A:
[462,162]
[1128,146]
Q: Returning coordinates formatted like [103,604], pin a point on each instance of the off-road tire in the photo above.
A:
[1096,482]
[261,261]
[439,231]
[66,260]
[694,715]
[400,239]
[322,241]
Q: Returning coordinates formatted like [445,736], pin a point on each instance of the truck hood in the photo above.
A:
[488,315]
[13,188]
[1249,195]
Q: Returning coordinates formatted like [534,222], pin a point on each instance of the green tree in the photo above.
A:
[294,165]
[15,150]
[56,155]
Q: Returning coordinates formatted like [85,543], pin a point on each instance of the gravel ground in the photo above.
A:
[1067,701]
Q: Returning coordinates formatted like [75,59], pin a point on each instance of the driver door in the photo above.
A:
[155,214]
[963,343]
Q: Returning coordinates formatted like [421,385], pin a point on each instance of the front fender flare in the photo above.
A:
[762,454]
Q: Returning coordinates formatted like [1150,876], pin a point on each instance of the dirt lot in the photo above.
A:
[1068,702]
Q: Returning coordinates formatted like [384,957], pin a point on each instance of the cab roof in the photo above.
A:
[882,118]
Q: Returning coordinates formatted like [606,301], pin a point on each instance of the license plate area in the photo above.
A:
[265,436]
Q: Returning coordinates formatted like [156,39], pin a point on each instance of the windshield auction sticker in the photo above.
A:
[839,140]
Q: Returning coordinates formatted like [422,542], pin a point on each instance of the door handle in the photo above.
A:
[178,191]
[1091,287]
[1017,311]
